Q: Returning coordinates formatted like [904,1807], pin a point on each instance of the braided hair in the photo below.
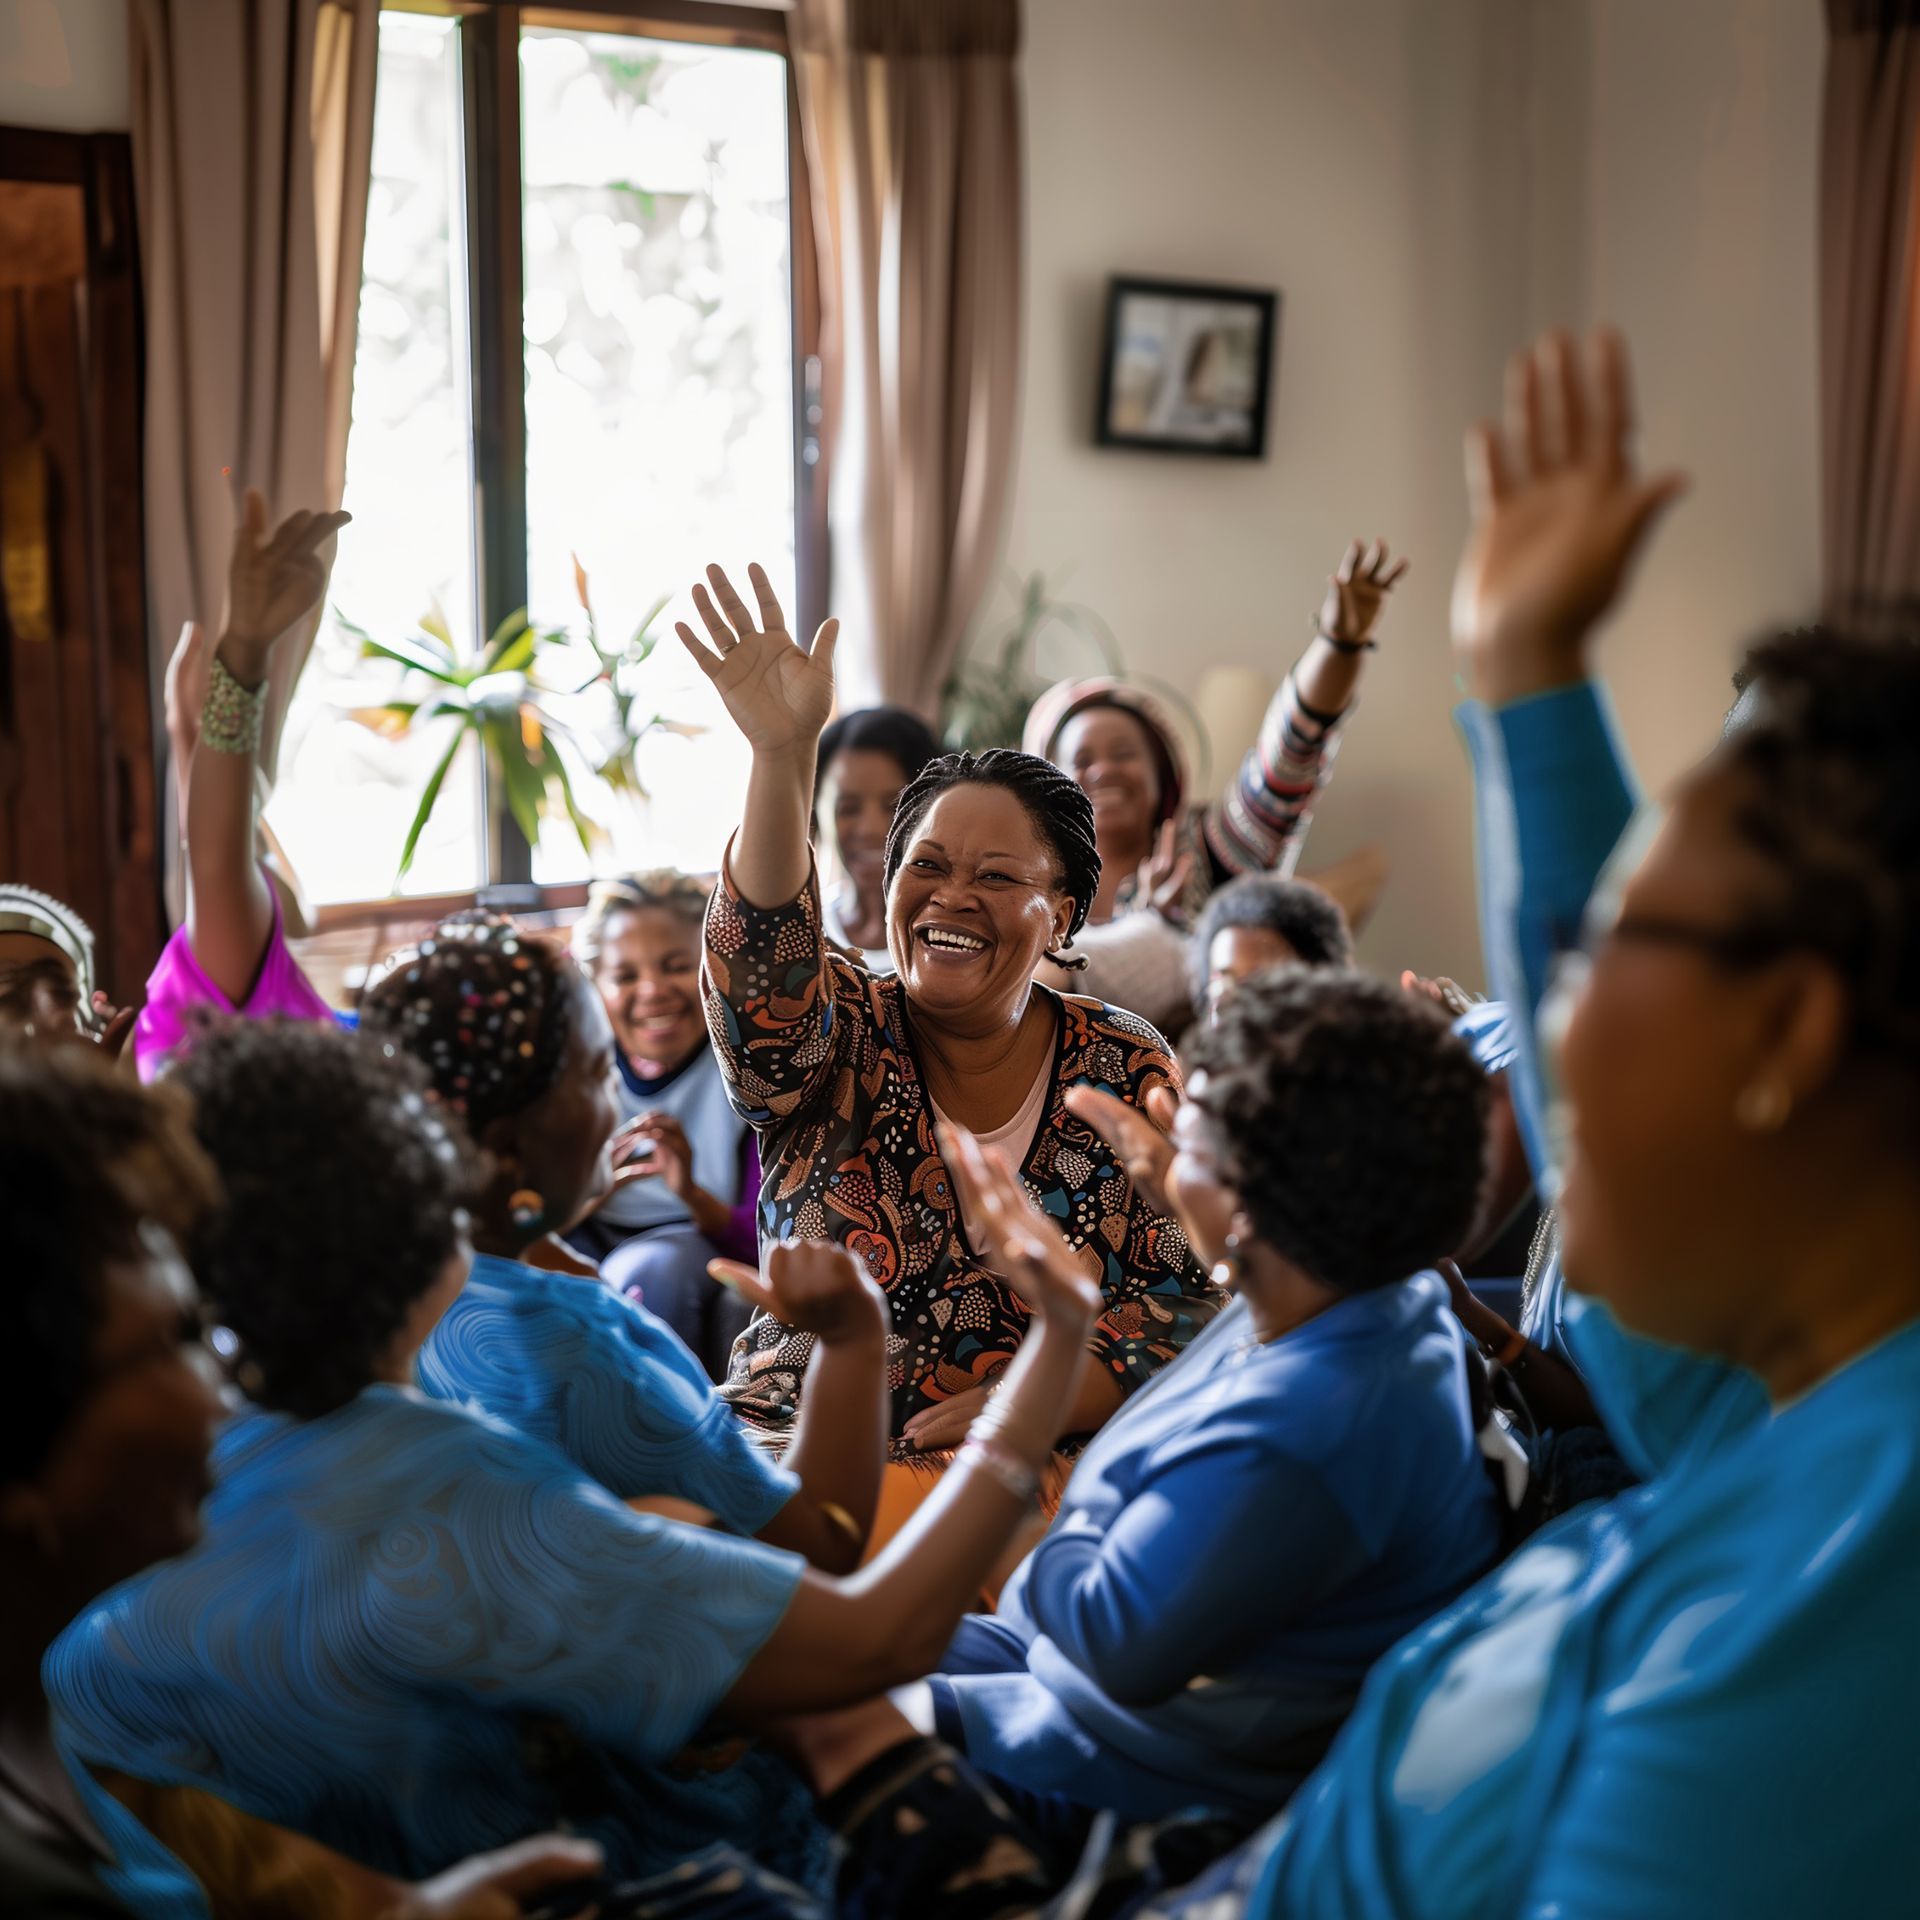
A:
[484,1007]
[1353,1122]
[1830,796]
[1060,811]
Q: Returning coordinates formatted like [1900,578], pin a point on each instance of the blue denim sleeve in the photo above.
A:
[1553,793]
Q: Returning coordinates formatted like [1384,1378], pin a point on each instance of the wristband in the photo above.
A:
[1346,646]
[836,1516]
[1004,1464]
[230,718]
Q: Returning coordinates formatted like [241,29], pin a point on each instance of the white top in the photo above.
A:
[1014,1139]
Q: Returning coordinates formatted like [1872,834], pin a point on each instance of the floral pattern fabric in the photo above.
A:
[819,1059]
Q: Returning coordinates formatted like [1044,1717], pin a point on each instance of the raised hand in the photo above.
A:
[1560,510]
[274,581]
[814,1285]
[1357,592]
[1139,1139]
[1448,995]
[779,693]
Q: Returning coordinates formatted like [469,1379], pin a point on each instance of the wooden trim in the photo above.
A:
[715,24]
[44,156]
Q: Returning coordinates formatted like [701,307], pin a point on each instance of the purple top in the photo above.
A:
[178,982]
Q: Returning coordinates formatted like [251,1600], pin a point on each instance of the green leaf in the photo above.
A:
[434,622]
[523,783]
[511,628]
[421,655]
[643,642]
[428,799]
[582,825]
[515,653]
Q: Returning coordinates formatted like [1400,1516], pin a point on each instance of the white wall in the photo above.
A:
[1424,183]
[63,64]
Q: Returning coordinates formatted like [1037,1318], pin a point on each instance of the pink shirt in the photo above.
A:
[178,982]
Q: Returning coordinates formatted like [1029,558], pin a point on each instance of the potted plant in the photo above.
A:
[985,702]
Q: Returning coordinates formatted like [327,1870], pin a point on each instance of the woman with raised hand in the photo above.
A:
[231,955]
[407,1625]
[517,1045]
[990,866]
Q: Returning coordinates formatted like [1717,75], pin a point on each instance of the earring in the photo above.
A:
[526,1207]
[1226,1271]
[1763,1107]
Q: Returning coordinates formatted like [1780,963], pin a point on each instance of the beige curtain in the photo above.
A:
[253,149]
[911,117]
[1870,312]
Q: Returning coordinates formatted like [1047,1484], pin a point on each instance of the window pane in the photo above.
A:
[346,796]
[659,359]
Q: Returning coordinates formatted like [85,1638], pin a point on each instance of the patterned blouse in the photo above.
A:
[819,1058]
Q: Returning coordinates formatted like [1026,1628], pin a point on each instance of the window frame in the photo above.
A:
[491,147]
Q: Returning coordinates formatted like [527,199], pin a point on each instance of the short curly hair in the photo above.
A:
[1353,1122]
[344,1185]
[1061,813]
[1307,919]
[85,1158]
[665,889]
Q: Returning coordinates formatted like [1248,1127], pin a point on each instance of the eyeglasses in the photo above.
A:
[1731,947]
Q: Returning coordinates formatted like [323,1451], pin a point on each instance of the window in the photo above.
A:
[588,357]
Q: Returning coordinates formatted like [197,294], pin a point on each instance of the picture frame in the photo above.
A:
[1187,367]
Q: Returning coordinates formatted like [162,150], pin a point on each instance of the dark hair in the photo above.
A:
[484,1007]
[902,736]
[344,1184]
[1308,920]
[1353,1122]
[1830,795]
[85,1158]
[1061,813]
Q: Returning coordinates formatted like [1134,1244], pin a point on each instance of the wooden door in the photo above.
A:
[78,793]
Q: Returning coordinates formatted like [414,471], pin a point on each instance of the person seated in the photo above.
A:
[867,759]
[412,1632]
[1242,1542]
[990,864]
[1259,921]
[48,993]
[104,1442]
[518,1047]
[695,1197]
[231,955]
[1122,748]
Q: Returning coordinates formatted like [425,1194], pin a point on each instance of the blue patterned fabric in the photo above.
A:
[604,1381]
[415,1635]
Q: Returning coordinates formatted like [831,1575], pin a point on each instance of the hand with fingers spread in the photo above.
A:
[274,581]
[1560,510]
[1356,593]
[1142,1140]
[1161,882]
[1448,995]
[816,1286]
[779,693]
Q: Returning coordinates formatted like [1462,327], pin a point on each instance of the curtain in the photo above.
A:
[253,151]
[1870,312]
[911,118]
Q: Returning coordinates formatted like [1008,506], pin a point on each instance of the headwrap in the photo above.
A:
[27,910]
[1047,721]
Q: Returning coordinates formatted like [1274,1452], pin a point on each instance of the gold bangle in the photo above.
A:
[835,1515]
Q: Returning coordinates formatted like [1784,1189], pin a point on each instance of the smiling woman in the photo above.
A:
[848,1077]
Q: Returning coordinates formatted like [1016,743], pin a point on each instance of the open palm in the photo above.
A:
[1559,509]
[1358,590]
[274,580]
[779,693]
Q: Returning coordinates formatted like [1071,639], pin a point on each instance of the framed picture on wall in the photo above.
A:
[1188,368]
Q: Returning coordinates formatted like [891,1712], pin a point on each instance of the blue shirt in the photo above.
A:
[1695,1699]
[393,1607]
[606,1383]
[1554,795]
[1240,1544]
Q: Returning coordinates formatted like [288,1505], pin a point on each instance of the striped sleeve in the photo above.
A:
[1260,823]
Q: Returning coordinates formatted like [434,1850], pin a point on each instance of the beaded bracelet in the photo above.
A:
[1003,1463]
[230,718]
